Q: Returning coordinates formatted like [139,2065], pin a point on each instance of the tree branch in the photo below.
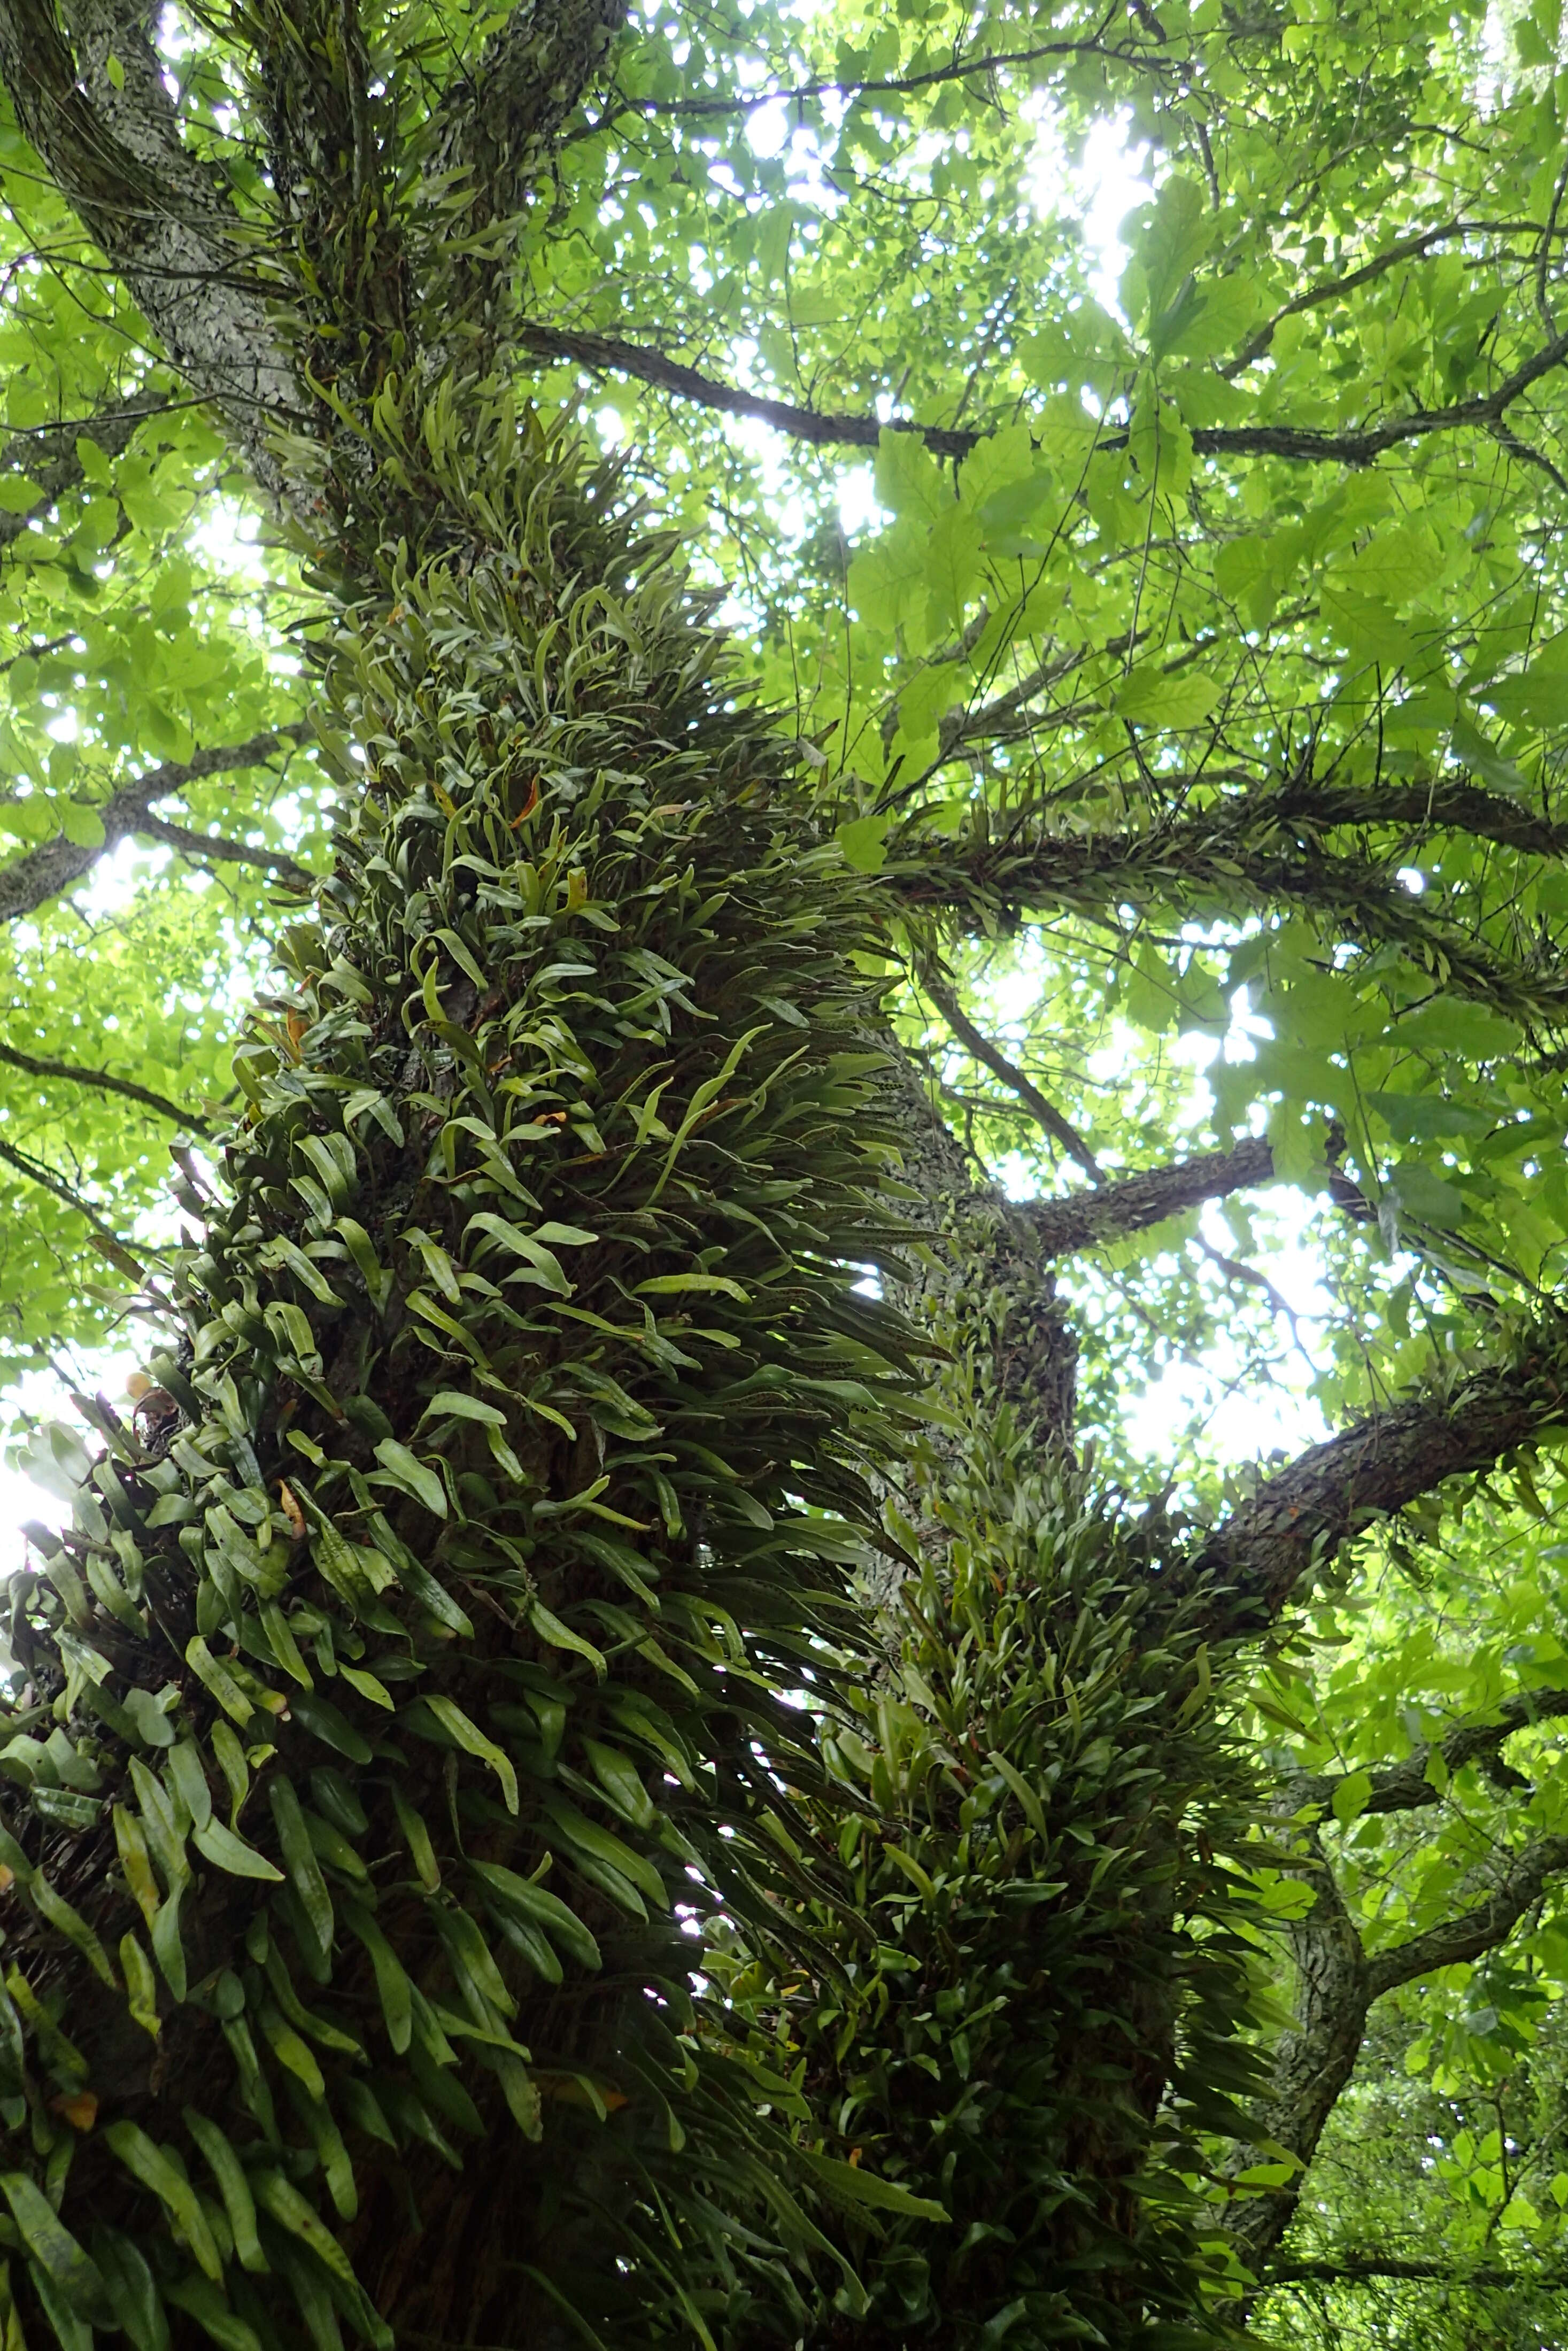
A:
[898,86]
[209,848]
[1129,1203]
[1404,1787]
[1334,289]
[107,1083]
[109,1241]
[44,872]
[1312,2061]
[1336,1984]
[1351,2269]
[1298,1519]
[607,355]
[1454,1941]
[975,1042]
[110,141]
[1251,845]
[602,355]
[497,124]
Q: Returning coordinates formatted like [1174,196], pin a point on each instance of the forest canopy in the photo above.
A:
[753,905]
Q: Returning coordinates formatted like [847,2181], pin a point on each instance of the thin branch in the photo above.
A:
[602,355]
[975,1042]
[605,354]
[107,1082]
[44,872]
[107,1240]
[213,848]
[898,86]
[1334,289]
[1236,1269]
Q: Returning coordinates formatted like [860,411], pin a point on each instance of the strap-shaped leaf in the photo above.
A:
[299,1861]
[71,1923]
[537,1906]
[152,2169]
[589,1837]
[410,1474]
[226,1851]
[71,2270]
[233,2187]
[392,1985]
[138,2305]
[443,1720]
[203,2302]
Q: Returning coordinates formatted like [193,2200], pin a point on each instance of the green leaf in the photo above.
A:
[152,2169]
[299,1859]
[202,2301]
[443,1720]
[848,2183]
[411,1476]
[863,842]
[586,1836]
[673,1285]
[233,2187]
[549,1628]
[138,2305]
[539,1908]
[325,1722]
[73,2273]
[1150,697]
[456,1405]
[393,1986]
[73,1926]
[1349,1796]
[228,1852]
[218,1680]
[1424,1196]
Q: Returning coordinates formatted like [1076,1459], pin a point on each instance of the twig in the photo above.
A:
[1060,1129]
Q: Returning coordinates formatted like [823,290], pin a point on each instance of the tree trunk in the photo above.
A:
[527,1438]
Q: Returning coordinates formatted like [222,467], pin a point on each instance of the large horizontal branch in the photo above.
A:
[1217,852]
[1254,1559]
[1405,1786]
[1352,2269]
[105,1081]
[31,880]
[644,364]
[1129,1203]
[1454,1940]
